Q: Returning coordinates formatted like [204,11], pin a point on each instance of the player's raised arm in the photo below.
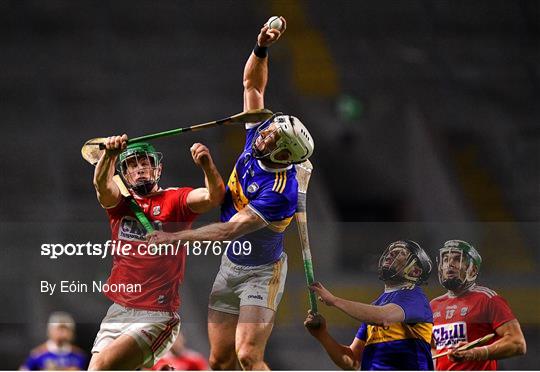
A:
[205,198]
[107,192]
[256,69]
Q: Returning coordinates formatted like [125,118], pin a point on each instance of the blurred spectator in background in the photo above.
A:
[58,352]
[180,358]
[468,312]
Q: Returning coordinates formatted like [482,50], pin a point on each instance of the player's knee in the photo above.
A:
[249,358]
[222,362]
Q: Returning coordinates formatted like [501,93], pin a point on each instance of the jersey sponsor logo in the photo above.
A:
[449,335]
[156,210]
[161,299]
[436,314]
[131,230]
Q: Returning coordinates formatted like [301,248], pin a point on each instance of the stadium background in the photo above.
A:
[425,115]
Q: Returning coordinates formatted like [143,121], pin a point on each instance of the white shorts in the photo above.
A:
[237,285]
[154,331]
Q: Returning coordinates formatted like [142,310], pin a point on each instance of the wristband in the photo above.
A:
[261,52]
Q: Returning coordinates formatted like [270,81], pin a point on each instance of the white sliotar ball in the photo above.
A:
[275,22]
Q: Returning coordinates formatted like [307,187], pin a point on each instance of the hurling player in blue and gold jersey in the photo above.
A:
[396,329]
[260,202]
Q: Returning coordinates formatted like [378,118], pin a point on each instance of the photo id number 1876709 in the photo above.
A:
[218,247]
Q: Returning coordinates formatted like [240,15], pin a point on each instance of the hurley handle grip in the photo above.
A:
[310,278]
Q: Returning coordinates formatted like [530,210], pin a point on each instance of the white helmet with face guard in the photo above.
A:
[291,136]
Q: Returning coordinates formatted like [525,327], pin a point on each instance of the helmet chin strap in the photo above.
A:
[387,273]
[453,284]
[390,273]
[257,154]
[144,187]
[456,284]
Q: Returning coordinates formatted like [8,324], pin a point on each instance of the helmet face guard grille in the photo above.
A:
[142,162]
[391,271]
[289,140]
[466,275]
[416,257]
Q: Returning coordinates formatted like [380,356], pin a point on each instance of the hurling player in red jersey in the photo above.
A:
[468,312]
[141,325]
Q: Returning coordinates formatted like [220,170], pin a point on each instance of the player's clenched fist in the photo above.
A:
[474,354]
[315,324]
[269,36]
[201,155]
[115,144]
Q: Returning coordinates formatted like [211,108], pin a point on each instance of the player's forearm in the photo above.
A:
[366,313]
[216,232]
[341,355]
[104,171]
[255,79]
[106,189]
[506,347]
[215,185]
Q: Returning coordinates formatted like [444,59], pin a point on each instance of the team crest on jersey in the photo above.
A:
[449,335]
[156,210]
[464,310]
[253,187]
[130,229]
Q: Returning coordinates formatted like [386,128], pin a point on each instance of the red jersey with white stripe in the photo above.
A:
[159,275]
[467,317]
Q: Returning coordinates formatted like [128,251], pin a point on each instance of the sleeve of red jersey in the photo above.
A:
[184,213]
[499,312]
[119,210]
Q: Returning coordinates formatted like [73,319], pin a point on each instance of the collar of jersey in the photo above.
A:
[398,287]
[272,170]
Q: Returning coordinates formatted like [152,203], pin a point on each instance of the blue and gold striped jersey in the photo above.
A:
[400,346]
[271,193]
